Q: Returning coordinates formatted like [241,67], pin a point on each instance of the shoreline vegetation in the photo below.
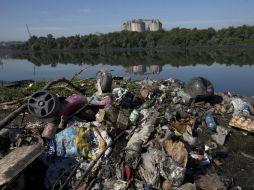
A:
[174,39]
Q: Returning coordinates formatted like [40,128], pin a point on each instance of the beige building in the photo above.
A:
[141,25]
[154,25]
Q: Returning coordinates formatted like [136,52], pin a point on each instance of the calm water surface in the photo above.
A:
[228,71]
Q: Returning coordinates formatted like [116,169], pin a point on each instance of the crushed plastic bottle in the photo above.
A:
[239,106]
[186,98]
[209,119]
[245,109]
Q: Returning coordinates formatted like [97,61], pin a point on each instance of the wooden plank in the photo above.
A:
[17,160]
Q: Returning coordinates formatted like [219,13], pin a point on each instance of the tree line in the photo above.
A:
[176,37]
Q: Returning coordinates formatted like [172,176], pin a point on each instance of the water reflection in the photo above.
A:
[176,59]
[143,69]
[229,70]
[154,69]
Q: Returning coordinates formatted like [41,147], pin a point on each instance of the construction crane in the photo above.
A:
[28,31]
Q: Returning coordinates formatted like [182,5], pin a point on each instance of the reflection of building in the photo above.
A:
[136,69]
[139,25]
[154,69]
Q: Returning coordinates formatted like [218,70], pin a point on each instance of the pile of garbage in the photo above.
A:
[164,136]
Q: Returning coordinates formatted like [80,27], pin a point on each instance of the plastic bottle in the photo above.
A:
[186,98]
[210,120]
[245,109]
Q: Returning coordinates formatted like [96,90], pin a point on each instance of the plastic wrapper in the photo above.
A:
[72,142]
[79,142]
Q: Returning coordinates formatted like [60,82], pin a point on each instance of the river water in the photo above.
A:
[229,70]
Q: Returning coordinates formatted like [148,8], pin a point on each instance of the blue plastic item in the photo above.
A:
[245,109]
[209,119]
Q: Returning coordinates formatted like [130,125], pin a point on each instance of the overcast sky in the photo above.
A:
[71,17]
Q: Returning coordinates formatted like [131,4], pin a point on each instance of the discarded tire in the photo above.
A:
[43,104]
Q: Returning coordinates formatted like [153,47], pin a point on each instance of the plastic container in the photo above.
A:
[209,119]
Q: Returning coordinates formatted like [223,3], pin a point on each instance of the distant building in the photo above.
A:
[139,25]
[155,25]
[126,26]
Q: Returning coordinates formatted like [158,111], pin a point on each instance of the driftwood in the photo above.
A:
[9,103]
[247,155]
[75,76]
[73,170]
[12,116]
[23,108]
[62,80]
[14,102]
[64,87]
[14,83]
